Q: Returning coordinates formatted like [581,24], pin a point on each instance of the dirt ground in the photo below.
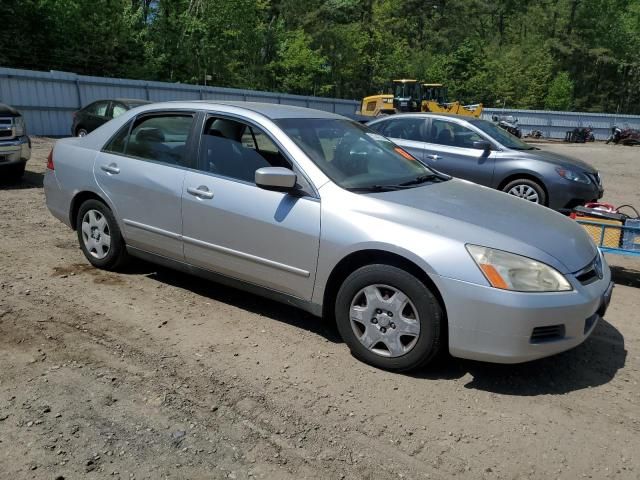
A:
[155,374]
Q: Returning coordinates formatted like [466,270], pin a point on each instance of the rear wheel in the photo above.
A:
[389,318]
[81,132]
[526,189]
[99,236]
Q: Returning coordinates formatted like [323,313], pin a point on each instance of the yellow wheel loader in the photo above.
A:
[407,95]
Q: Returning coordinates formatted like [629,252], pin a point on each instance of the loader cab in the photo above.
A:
[406,95]
[435,92]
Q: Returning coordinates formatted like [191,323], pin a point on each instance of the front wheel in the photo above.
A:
[81,132]
[389,318]
[527,190]
[99,236]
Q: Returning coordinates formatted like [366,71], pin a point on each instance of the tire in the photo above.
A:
[381,343]
[99,236]
[16,172]
[529,190]
[81,132]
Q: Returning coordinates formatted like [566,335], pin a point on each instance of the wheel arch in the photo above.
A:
[360,258]
[78,199]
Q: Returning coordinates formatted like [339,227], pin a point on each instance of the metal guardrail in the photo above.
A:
[48,99]
[555,125]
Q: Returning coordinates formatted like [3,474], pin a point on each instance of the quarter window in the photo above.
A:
[236,150]
[118,143]
[452,134]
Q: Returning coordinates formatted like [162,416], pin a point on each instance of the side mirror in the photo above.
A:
[482,145]
[276,178]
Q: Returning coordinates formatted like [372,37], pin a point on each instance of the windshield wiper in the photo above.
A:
[419,179]
[375,188]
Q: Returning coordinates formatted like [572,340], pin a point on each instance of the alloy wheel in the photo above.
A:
[526,192]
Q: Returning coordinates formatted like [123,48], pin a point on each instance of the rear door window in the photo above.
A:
[98,108]
[159,137]
[118,109]
[403,128]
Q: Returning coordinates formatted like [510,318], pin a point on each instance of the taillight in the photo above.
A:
[50,161]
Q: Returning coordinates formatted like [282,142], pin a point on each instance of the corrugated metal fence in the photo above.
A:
[48,99]
[556,124]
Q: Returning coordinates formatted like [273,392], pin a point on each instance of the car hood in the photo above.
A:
[7,111]
[480,215]
[557,159]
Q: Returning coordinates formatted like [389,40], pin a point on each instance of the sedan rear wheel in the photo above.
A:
[527,190]
[99,236]
[389,318]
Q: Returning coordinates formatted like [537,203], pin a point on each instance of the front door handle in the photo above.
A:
[201,192]
[111,168]
[433,156]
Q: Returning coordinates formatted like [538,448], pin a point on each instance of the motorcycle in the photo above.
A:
[628,136]
[580,135]
[534,134]
[508,123]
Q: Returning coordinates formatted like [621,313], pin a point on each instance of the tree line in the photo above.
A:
[535,54]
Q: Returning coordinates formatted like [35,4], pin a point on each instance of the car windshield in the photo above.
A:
[355,157]
[502,136]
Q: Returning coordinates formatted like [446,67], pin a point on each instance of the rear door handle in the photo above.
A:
[111,168]
[201,192]
[433,156]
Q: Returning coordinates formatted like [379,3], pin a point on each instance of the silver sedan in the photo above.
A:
[320,212]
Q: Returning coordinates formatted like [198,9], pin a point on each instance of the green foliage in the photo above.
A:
[560,96]
[298,66]
[581,54]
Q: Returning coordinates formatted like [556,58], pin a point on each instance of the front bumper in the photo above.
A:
[499,326]
[15,151]
[566,195]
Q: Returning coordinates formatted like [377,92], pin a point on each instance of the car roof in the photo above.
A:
[273,110]
[467,118]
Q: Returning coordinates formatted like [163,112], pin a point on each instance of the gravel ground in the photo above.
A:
[154,374]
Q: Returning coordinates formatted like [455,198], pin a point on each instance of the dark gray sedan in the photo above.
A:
[479,151]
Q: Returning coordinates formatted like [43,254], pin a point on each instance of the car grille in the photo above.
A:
[547,334]
[595,178]
[591,272]
[6,129]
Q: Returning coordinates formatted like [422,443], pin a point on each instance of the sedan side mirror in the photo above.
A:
[482,145]
[276,178]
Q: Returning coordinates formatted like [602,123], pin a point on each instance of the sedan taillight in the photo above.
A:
[50,161]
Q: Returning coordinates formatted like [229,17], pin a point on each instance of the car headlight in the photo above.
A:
[573,175]
[18,124]
[509,271]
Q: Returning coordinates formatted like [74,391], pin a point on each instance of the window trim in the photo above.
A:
[155,113]
[310,192]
